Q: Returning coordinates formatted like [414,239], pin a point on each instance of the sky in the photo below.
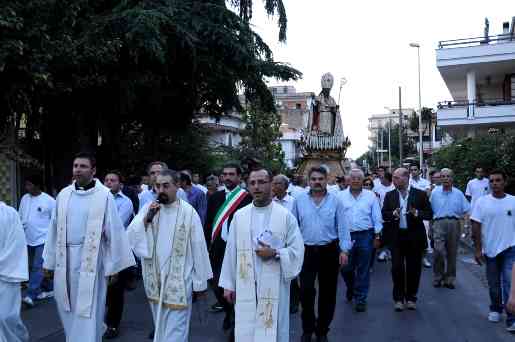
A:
[367,42]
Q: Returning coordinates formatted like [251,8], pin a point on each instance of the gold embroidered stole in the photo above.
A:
[257,321]
[90,249]
[175,296]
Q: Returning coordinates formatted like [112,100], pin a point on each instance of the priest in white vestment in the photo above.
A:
[168,237]
[13,271]
[86,244]
[264,252]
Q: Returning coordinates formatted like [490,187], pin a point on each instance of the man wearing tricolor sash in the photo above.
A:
[86,244]
[220,210]
[167,235]
[265,251]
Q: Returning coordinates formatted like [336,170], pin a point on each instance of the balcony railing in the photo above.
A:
[452,113]
[481,103]
[466,42]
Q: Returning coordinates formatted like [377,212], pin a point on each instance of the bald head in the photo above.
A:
[401,178]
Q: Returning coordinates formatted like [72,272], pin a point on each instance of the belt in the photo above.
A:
[446,218]
[317,247]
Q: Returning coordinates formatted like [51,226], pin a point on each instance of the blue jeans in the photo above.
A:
[498,274]
[357,272]
[36,279]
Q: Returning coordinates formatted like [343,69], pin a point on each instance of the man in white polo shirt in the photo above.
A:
[36,209]
[493,227]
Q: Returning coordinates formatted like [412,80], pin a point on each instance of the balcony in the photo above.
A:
[458,113]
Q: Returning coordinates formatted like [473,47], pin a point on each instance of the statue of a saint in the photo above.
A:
[325,114]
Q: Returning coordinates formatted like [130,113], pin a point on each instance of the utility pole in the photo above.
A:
[400,127]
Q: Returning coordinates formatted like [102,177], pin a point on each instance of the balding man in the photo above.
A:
[449,206]
[362,217]
[404,210]
[279,189]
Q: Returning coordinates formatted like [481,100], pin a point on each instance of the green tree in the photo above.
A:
[110,69]
[493,151]
[259,139]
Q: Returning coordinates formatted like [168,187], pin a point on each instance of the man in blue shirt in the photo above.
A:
[118,284]
[196,197]
[362,217]
[320,218]
[449,206]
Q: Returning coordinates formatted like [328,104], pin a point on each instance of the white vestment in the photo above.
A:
[262,308]
[86,243]
[174,257]
[13,270]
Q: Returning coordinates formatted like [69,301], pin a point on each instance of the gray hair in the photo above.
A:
[174,175]
[283,179]
[357,171]
[163,165]
[447,171]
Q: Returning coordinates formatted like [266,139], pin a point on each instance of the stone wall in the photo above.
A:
[7,181]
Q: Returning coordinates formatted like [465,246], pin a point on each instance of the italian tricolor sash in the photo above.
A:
[231,203]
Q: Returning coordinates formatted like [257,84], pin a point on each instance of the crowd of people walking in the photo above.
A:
[263,244]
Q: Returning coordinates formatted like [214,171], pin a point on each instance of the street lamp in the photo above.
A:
[421,150]
[389,138]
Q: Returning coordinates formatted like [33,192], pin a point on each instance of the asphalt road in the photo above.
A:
[443,315]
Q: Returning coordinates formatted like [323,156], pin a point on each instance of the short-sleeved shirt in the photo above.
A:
[446,204]
[497,218]
[420,184]
[36,213]
[477,188]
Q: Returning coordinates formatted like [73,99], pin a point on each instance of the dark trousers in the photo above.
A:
[115,298]
[406,268]
[294,293]
[357,272]
[217,252]
[321,262]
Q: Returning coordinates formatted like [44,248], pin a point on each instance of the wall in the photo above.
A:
[8,183]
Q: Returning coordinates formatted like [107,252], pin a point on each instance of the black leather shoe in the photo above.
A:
[437,283]
[305,338]
[111,333]
[360,307]
[322,339]
[450,286]
[151,335]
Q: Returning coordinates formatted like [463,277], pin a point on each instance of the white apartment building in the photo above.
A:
[480,75]
[223,131]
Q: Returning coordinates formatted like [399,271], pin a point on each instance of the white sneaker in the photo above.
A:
[45,295]
[494,317]
[426,263]
[27,300]
[511,328]
[382,256]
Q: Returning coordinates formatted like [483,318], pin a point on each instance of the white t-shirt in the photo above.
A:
[420,184]
[36,213]
[477,188]
[381,190]
[497,218]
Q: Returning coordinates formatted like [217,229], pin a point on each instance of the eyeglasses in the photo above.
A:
[367,184]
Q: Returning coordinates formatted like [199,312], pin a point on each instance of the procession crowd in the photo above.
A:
[266,245]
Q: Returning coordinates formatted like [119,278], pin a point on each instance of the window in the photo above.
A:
[298,106]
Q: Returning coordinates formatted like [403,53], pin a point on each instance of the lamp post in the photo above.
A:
[389,139]
[420,130]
